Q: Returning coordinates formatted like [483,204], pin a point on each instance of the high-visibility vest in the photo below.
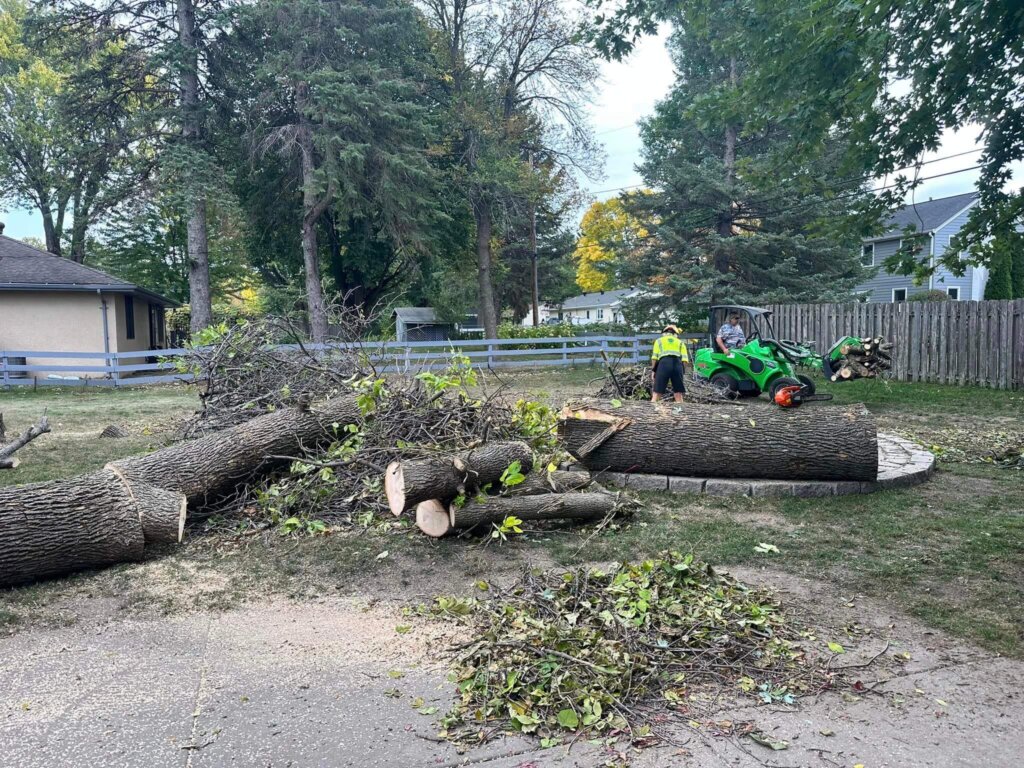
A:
[670,345]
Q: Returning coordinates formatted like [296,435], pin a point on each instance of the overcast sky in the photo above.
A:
[629,91]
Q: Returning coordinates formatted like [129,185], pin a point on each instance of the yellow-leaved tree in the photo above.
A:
[608,235]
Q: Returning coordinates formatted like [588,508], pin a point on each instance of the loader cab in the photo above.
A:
[755,322]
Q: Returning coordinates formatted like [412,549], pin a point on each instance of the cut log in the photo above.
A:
[810,443]
[555,506]
[106,517]
[433,519]
[114,431]
[222,460]
[7,458]
[559,481]
[48,529]
[445,476]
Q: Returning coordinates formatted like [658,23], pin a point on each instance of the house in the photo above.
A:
[52,304]
[934,223]
[547,313]
[597,307]
[423,324]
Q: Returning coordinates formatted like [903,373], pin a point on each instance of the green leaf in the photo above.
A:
[765,548]
[567,718]
[767,741]
[616,403]
[403,629]
[836,648]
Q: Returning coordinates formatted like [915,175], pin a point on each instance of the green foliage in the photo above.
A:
[575,651]
[369,393]
[459,374]
[510,525]
[815,68]
[740,214]
[513,475]
[932,295]
[515,331]
[537,423]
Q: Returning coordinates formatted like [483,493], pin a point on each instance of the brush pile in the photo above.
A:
[588,652]
[634,383]
[862,359]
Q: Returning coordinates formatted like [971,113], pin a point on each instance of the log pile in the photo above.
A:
[109,516]
[828,443]
[865,359]
[488,485]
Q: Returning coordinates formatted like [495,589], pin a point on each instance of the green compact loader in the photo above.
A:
[764,363]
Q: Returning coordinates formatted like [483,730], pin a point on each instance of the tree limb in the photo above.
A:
[7,458]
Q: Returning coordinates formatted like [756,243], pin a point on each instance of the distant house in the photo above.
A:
[934,224]
[547,313]
[423,324]
[52,304]
[597,307]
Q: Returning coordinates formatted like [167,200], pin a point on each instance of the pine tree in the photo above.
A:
[733,218]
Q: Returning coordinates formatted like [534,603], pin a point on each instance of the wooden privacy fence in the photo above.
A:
[944,342]
[160,366]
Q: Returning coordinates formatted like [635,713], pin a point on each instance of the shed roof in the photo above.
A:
[25,268]
[927,216]
[419,315]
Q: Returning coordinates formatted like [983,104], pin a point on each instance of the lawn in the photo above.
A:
[950,552]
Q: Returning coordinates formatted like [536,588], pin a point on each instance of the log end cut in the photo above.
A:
[433,518]
[394,488]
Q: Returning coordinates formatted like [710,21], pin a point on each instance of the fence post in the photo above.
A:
[490,355]
[3,367]
[636,350]
[565,351]
[604,349]
[115,365]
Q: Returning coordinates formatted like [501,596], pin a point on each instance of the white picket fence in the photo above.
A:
[161,366]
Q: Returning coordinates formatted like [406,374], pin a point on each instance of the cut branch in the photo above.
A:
[555,506]
[7,458]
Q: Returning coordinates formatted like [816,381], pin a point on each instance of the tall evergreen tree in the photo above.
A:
[734,218]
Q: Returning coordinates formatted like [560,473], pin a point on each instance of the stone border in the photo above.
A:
[901,464]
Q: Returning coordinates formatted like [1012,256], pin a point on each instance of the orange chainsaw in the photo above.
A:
[796,395]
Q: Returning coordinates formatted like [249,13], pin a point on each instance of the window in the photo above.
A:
[867,255]
[953,293]
[129,317]
[588,314]
[899,294]
[600,314]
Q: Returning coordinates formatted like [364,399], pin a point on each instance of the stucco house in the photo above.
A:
[597,307]
[933,223]
[52,304]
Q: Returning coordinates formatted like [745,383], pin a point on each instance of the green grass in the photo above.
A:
[77,416]
[950,552]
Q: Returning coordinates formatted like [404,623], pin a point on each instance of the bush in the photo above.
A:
[932,295]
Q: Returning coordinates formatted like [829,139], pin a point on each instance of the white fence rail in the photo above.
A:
[161,366]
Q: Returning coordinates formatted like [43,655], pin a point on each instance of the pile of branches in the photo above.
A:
[256,366]
[634,383]
[560,653]
[865,359]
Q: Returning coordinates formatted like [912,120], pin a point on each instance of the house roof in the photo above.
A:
[25,268]
[598,298]
[927,216]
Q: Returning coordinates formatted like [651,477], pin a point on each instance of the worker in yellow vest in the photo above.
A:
[667,360]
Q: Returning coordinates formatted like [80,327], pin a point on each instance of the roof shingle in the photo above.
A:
[929,215]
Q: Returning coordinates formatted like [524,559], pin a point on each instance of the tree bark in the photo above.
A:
[555,506]
[559,481]
[407,483]
[313,205]
[106,517]
[485,283]
[219,461]
[198,243]
[48,529]
[688,439]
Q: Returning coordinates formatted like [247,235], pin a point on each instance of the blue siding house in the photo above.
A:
[933,224]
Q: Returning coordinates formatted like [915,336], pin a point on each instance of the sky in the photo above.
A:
[628,92]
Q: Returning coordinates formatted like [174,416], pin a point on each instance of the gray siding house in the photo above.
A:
[934,223]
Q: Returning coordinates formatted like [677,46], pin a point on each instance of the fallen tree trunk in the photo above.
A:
[559,481]
[7,458]
[810,443]
[445,476]
[554,506]
[47,529]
